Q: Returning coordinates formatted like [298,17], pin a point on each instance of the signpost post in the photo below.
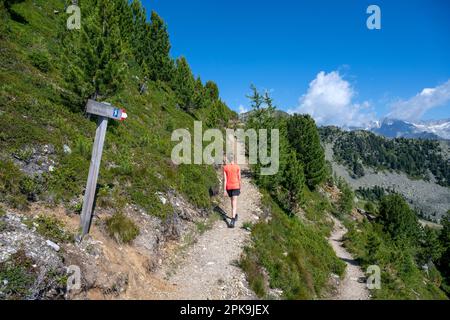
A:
[104,111]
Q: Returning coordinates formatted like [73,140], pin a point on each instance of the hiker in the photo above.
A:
[232,185]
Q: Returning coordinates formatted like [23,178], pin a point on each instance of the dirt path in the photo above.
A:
[353,286]
[209,268]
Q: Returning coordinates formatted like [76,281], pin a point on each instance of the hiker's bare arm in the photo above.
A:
[239,175]
[224,184]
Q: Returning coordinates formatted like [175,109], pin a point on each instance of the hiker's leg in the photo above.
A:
[234,205]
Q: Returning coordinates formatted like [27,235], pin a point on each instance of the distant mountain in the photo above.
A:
[393,128]
[439,127]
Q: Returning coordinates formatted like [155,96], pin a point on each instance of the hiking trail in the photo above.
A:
[209,267]
[353,285]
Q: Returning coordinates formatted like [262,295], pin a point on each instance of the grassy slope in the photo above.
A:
[293,251]
[34,110]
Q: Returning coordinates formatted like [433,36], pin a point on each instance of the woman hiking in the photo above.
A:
[232,185]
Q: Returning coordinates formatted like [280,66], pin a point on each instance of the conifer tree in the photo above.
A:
[160,66]
[203,99]
[94,56]
[293,179]
[430,249]
[212,90]
[304,138]
[398,220]
[140,35]
[183,83]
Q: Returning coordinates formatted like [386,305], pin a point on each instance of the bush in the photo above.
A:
[51,228]
[122,228]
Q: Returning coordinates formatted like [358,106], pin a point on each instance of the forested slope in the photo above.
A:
[48,73]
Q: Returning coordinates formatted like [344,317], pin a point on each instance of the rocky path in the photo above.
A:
[353,286]
[209,268]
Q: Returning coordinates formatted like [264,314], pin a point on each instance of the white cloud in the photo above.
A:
[329,100]
[242,109]
[415,107]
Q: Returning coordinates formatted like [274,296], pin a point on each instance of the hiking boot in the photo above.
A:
[236,218]
[232,222]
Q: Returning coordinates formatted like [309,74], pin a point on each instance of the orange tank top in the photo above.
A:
[232,173]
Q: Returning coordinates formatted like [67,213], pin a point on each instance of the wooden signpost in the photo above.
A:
[104,111]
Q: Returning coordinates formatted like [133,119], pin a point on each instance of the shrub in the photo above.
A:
[122,228]
[51,228]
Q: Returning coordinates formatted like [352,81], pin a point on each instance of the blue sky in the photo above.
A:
[282,46]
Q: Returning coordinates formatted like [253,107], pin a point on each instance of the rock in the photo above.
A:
[48,149]
[52,245]
[43,257]
[35,160]
[51,168]
[67,149]
[161,197]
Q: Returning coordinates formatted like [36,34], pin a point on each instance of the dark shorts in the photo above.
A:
[234,192]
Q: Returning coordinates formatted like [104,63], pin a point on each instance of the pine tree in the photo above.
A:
[212,90]
[140,34]
[293,180]
[304,138]
[200,98]
[430,249]
[160,65]
[373,248]
[94,56]
[183,84]
[398,220]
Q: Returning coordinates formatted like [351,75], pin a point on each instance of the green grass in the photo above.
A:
[316,207]
[296,256]
[247,225]
[122,228]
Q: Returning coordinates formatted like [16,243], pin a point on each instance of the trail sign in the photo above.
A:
[104,111]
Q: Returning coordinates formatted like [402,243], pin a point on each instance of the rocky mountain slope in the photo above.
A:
[429,196]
